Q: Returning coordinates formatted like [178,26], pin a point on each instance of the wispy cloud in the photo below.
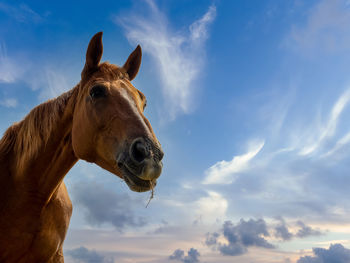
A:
[9,103]
[224,172]
[339,144]
[330,127]
[47,80]
[50,83]
[178,56]
[326,29]
[304,165]
[21,13]
[10,71]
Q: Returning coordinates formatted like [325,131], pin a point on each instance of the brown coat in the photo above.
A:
[100,120]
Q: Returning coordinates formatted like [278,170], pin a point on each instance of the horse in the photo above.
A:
[101,120]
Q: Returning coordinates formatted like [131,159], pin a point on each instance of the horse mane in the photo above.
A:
[26,137]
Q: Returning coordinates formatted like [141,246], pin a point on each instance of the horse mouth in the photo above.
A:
[135,183]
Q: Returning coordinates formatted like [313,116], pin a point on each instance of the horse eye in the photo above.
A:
[98,91]
[145,104]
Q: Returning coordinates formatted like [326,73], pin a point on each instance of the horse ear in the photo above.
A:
[132,65]
[93,54]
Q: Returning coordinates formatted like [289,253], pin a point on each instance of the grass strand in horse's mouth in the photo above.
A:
[152,194]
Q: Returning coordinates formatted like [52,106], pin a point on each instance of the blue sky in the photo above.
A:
[250,102]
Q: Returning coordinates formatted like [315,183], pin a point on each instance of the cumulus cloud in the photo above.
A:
[325,30]
[105,206]
[84,255]
[211,239]
[336,253]
[224,172]
[179,255]
[306,231]
[240,237]
[178,56]
[235,239]
[282,231]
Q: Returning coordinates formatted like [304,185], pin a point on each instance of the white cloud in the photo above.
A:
[199,29]
[51,83]
[293,177]
[329,128]
[340,144]
[22,13]
[9,69]
[178,56]
[211,207]
[9,103]
[224,172]
[57,84]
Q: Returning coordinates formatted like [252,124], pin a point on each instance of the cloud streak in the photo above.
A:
[224,172]
[22,13]
[330,127]
[50,83]
[178,56]
[9,69]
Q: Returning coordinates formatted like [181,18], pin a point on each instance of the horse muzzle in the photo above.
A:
[141,164]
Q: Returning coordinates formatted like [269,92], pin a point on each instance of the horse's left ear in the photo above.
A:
[93,54]
[132,65]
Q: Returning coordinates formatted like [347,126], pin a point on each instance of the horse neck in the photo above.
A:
[41,153]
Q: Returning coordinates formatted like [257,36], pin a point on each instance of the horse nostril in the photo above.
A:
[139,151]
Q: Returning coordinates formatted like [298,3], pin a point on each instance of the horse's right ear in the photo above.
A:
[93,54]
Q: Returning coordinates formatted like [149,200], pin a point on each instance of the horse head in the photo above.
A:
[109,127]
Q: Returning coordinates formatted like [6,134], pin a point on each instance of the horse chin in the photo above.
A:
[135,183]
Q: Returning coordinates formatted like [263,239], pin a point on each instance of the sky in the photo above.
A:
[249,100]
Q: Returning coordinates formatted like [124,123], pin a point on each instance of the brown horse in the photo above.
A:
[100,120]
